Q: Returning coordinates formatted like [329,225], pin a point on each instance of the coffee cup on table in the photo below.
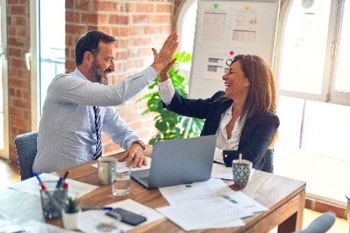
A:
[105,169]
[241,169]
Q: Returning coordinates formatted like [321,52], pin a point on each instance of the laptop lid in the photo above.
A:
[178,161]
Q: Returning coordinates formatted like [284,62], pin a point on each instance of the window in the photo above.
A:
[312,70]
[314,61]
[47,49]
[51,28]
[342,69]
[185,27]
[314,95]
[304,48]
[312,77]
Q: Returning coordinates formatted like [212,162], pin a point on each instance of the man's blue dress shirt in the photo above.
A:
[67,132]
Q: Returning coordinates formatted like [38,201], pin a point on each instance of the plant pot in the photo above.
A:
[70,220]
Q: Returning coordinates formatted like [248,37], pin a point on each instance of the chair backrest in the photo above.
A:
[321,224]
[26,148]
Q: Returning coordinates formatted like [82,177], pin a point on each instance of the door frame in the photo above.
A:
[4,152]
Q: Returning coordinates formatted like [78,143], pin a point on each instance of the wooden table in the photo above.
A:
[284,197]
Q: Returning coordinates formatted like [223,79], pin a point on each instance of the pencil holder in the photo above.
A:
[52,199]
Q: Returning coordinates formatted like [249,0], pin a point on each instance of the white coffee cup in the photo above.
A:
[106,167]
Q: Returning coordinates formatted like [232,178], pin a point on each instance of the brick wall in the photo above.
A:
[19,84]
[138,26]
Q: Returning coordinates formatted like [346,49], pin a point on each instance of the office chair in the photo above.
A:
[26,148]
[321,224]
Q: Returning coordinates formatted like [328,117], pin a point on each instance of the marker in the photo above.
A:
[61,180]
[59,183]
[42,186]
[65,176]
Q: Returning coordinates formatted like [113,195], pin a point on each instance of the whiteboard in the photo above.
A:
[227,28]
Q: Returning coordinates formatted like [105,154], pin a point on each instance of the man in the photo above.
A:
[78,105]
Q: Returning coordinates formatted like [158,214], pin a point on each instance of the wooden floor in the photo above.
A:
[9,174]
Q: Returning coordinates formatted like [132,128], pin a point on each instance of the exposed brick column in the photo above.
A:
[18,31]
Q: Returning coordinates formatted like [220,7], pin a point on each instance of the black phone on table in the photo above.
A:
[126,216]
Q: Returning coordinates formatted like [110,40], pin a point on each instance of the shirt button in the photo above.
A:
[225,155]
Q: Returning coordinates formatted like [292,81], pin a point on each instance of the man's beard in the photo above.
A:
[95,73]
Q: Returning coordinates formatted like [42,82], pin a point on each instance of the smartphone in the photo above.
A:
[126,216]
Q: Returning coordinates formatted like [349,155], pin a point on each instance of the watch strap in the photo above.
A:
[141,143]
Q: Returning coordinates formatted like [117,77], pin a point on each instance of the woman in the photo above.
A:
[242,117]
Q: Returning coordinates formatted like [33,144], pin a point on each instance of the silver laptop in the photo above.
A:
[178,161]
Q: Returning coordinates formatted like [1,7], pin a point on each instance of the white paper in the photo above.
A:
[204,214]
[243,201]
[31,185]
[33,226]
[123,164]
[88,220]
[221,171]
[218,155]
[211,188]
[208,204]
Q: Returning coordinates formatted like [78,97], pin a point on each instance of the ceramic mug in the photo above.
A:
[106,167]
[241,170]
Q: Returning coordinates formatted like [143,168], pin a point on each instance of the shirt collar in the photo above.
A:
[77,73]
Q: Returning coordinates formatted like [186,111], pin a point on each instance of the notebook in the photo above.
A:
[178,161]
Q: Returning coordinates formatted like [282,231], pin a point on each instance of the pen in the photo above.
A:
[42,186]
[61,180]
[65,176]
[229,198]
[96,208]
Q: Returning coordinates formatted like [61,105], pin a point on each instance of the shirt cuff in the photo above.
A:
[166,91]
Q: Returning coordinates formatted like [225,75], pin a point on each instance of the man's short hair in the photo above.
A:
[89,42]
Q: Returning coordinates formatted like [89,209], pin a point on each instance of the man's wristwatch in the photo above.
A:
[141,143]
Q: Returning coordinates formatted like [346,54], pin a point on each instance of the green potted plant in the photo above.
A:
[70,212]
[171,125]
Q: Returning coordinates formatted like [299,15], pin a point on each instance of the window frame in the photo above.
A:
[328,93]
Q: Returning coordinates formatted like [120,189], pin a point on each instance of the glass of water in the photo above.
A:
[122,179]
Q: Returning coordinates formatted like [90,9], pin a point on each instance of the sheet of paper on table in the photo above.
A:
[31,226]
[208,204]
[148,166]
[31,186]
[221,171]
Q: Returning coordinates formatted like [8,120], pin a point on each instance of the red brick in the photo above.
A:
[72,16]
[118,19]
[164,8]
[83,5]
[144,7]
[107,6]
[17,10]
[88,18]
